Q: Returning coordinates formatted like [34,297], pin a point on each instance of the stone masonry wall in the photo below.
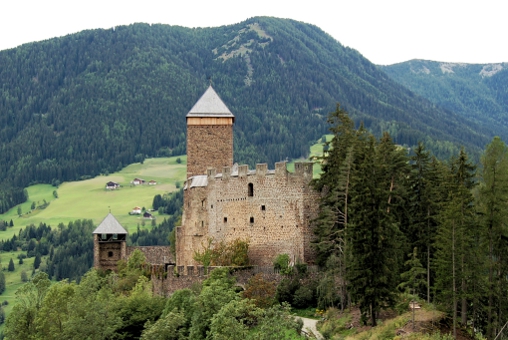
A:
[108,254]
[155,255]
[165,283]
[208,146]
[193,233]
[272,210]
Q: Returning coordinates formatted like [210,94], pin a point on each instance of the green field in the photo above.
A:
[89,199]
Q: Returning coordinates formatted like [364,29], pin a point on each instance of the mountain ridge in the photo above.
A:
[94,101]
[475,91]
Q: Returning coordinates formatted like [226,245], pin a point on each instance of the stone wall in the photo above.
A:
[271,209]
[107,254]
[155,255]
[208,146]
[167,280]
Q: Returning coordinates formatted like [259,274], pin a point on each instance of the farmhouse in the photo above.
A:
[137,181]
[112,185]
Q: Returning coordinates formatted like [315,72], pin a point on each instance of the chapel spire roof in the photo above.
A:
[210,105]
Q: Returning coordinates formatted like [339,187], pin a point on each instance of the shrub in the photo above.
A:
[281,263]
[286,290]
[304,297]
[260,290]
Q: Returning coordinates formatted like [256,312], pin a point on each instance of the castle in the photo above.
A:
[272,209]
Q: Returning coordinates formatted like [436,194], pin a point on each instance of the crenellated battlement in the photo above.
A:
[302,169]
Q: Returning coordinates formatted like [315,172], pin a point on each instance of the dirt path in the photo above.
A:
[309,325]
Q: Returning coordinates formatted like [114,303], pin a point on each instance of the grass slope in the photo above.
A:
[88,199]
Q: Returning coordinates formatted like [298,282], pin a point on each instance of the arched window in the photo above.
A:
[251,190]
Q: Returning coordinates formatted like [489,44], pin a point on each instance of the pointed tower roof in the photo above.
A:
[210,105]
[110,226]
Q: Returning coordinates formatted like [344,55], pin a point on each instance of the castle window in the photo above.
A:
[211,207]
[263,208]
[252,220]
[202,224]
[225,219]
[115,236]
[251,190]
[104,236]
[110,254]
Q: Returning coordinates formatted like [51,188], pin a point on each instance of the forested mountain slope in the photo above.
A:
[478,92]
[97,100]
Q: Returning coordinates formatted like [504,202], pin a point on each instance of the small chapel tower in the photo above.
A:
[109,244]
[209,134]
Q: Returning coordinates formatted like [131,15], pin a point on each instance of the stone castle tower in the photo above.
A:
[272,209]
[109,244]
[209,134]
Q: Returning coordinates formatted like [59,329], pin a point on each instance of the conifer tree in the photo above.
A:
[424,198]
[11,265]
[493,203]
[372,271]
[331,226]
[412,279]
[2,282]
[455,238]
[37,261]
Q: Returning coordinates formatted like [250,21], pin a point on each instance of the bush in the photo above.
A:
[286,290]
[304,297]
[260,290]
[281,263]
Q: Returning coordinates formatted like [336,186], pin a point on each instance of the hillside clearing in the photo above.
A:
[88,199]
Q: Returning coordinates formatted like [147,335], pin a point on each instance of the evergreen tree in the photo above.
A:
[331,226]
[2,282]
[413,279]
[37,261]
[455,238]
[11,265]
[425,196]
[375,237]
[493,203]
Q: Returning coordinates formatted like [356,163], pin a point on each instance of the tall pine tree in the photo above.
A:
[493,204]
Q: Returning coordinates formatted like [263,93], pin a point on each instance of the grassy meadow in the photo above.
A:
[89,199]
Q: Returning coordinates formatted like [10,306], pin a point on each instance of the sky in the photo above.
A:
[384,31]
